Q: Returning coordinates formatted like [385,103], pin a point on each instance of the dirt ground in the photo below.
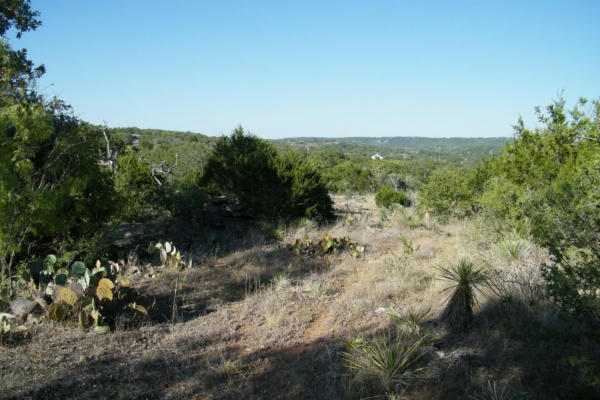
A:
[260,322]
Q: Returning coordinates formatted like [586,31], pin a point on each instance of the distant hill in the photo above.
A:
[192,149]
[403,142]
[133,135]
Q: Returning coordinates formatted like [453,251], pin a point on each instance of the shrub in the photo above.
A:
[51,186]
[387,195]
[305,194]
[388,361]
[266,184]
[568,224]
[186,198]
[139,195]
[447,192]
[545,183]
[467,280]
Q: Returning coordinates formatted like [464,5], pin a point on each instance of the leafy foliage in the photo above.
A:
[51,186]
[386,196]
[266,184]
[17,14]
[545,183]
[139,195]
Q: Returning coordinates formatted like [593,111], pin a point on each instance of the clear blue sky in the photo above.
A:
[323,68]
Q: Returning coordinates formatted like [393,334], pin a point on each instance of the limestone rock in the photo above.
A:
[21,306]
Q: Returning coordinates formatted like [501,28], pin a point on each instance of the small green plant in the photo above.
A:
[333,245]
[4,328]
[228,368]
[169,256]
[412,320]
[512,250]
[466,279]
[281,281]
[320,288]
[495,392]
[95,297]
[409,245]
[387,195]
[302,246]
[391,362]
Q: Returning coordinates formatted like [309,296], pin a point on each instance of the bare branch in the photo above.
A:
[161,169]
[111,157]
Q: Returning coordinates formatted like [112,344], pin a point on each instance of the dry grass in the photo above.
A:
[257,321]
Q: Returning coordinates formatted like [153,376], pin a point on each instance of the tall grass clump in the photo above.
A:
[512,250]
[388,363]
[467,280]
[412,320]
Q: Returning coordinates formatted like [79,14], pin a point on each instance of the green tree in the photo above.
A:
[139,194]
[266,184]
[546,184]
[52,188]
[51,185]
[17,72]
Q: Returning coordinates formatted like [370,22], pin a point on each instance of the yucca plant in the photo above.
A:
[412,320]
[467,280]
[281,281]
[390,362]
[512,250]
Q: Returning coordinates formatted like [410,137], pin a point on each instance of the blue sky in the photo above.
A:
[323,68]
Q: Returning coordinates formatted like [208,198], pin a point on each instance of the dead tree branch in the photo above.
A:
[111,156]
[161,169]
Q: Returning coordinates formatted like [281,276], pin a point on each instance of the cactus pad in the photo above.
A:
[68,296]
[104,289]
[78,268]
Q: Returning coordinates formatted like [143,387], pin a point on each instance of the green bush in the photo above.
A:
[186,198]
[387,195]
[267,185]
[545,183]
[447,192]
[305,194]
[567,223]
[139,194]
[51,186]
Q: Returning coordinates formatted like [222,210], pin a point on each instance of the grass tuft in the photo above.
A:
[281,281]
[412,320]
[512,250]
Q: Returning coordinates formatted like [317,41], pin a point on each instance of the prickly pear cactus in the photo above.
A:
[78,268]
[105,289]
[170,256]
[68,296]
[58,311]
[327,244]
